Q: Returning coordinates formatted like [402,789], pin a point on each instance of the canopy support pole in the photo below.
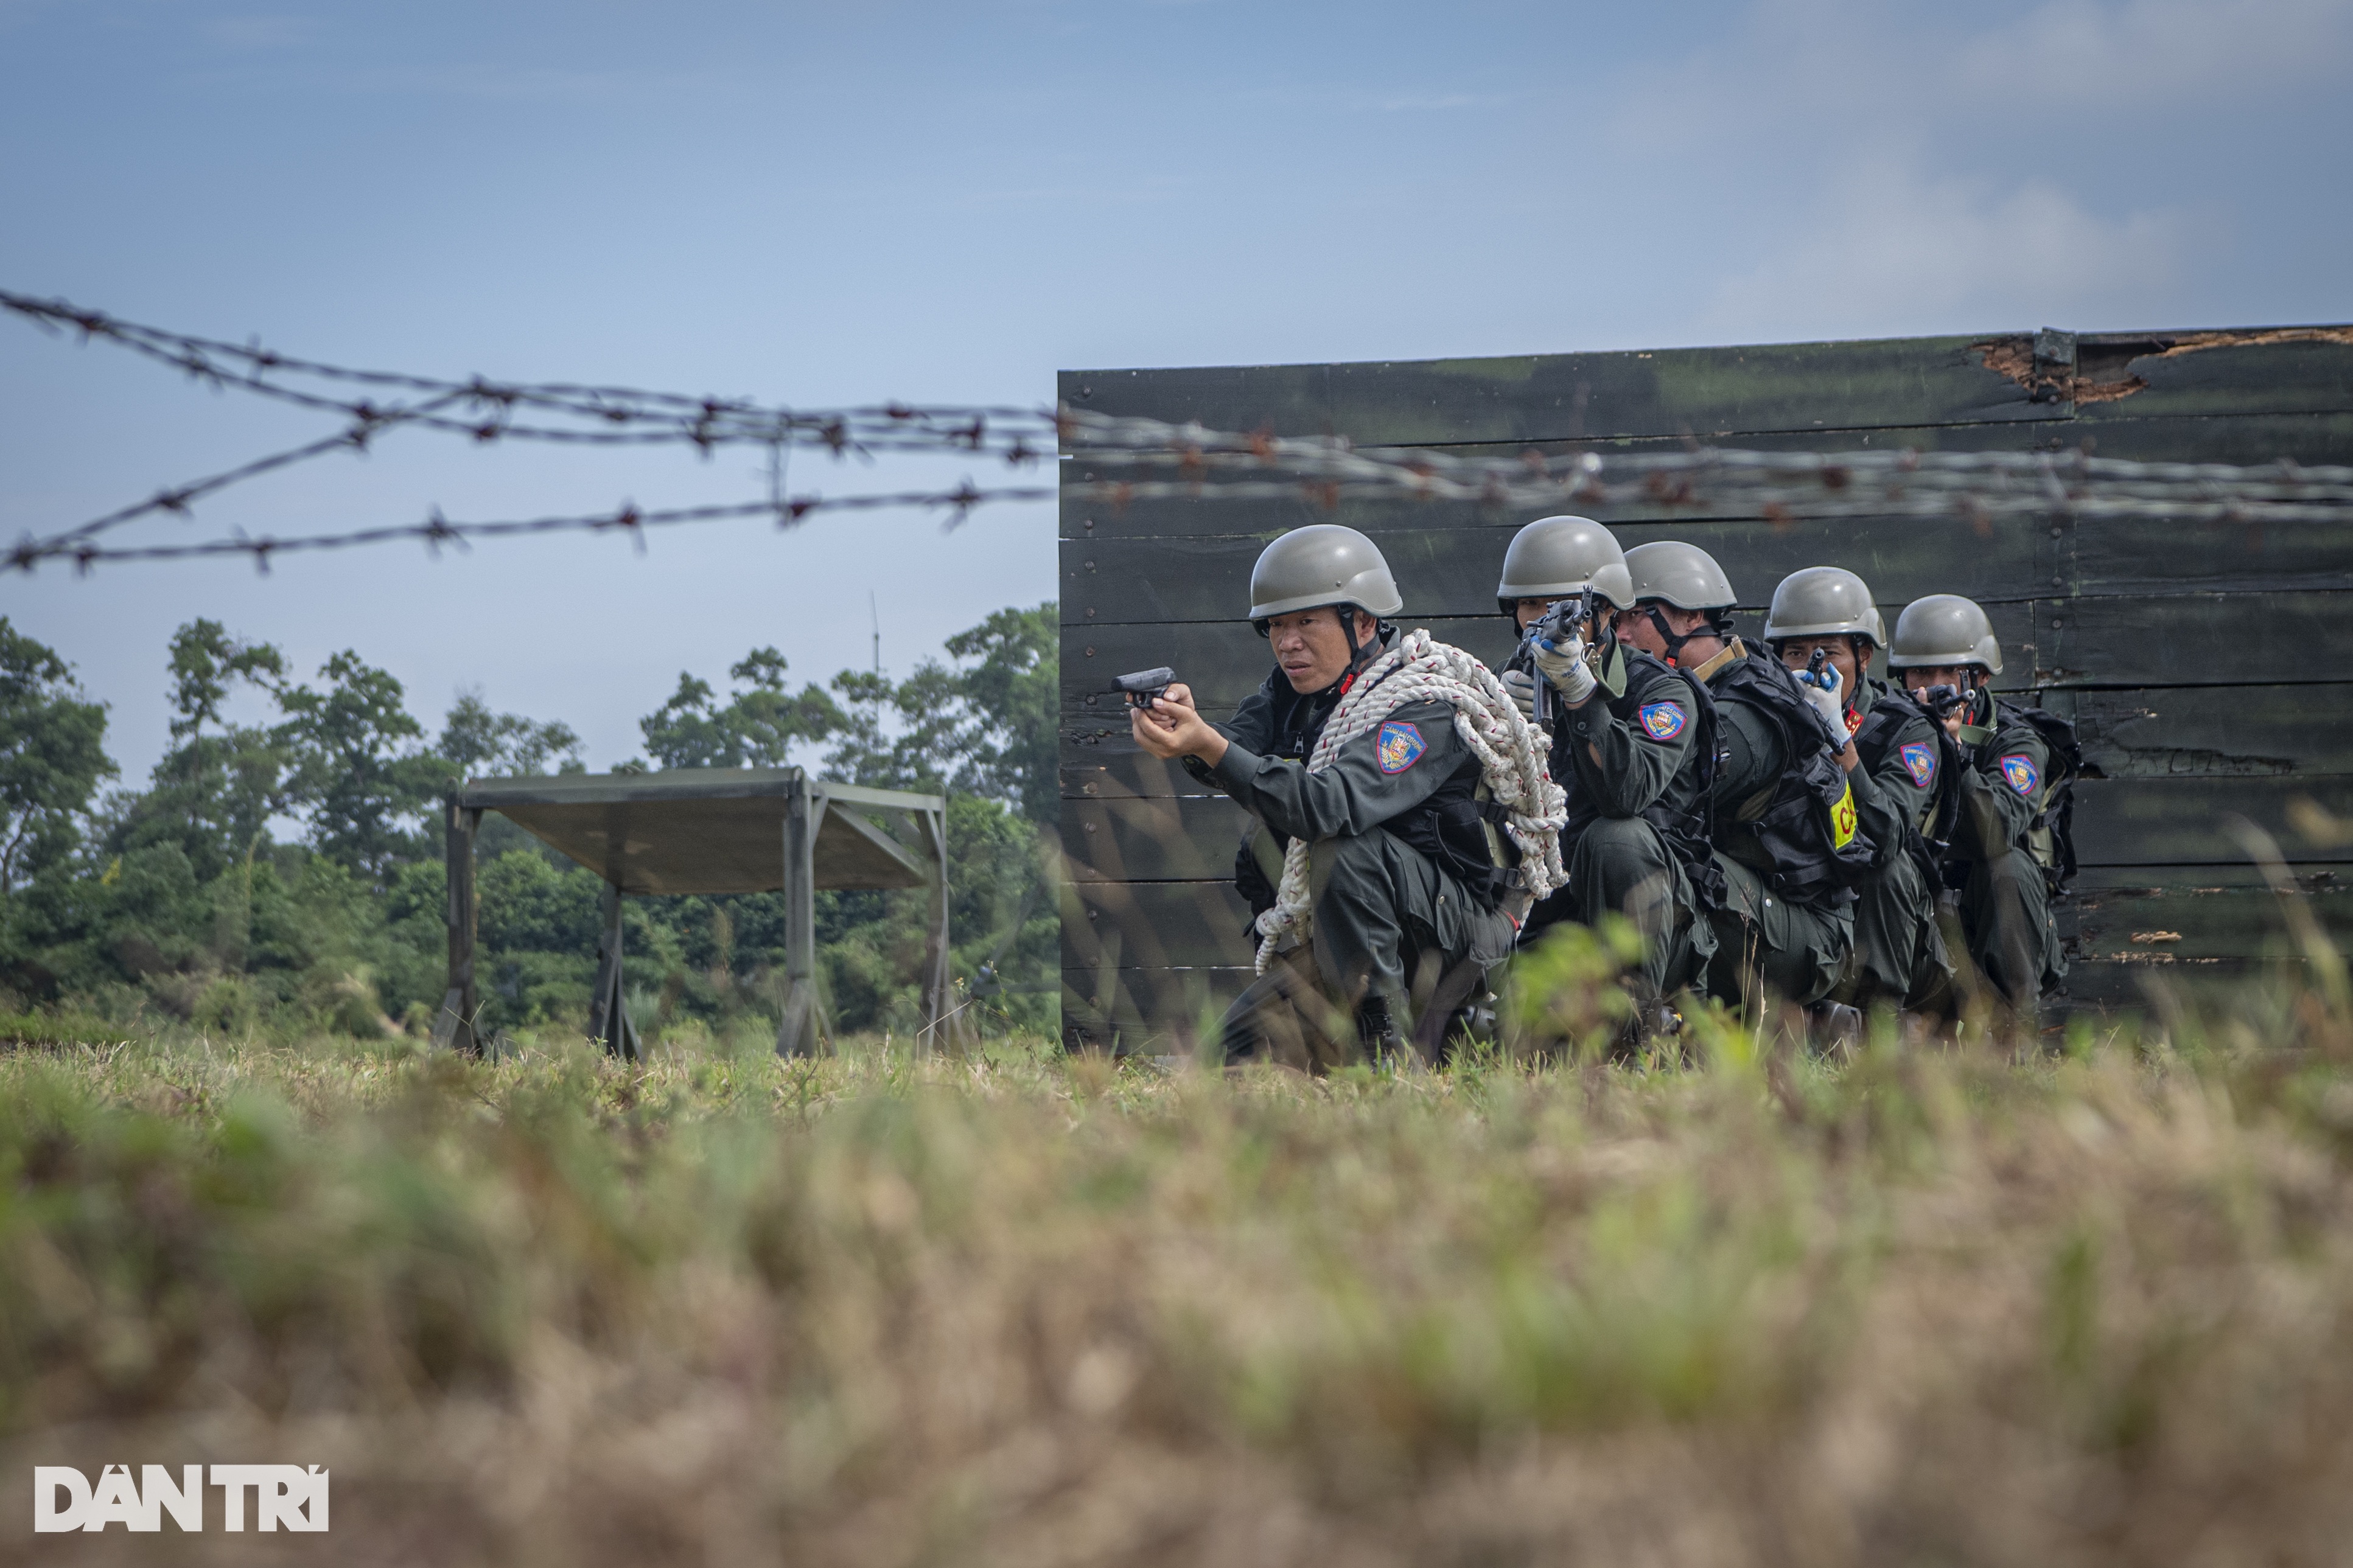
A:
[608,1011]
[796,1034]
[453,1026]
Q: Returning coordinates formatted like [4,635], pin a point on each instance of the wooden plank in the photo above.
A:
[2263,370]
[2148,732]
[2176,821]
[1226,661]
[2231,731]
[2149,558]
[2176,924]
[2313,438]
[1450,571]
[1710,392]
[1182,925]
[2180,821]
[2191,639]
[1172,839]
[1138,1012]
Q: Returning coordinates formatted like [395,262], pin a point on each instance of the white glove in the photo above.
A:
[1523,688]
[1563,664]
[1825,699]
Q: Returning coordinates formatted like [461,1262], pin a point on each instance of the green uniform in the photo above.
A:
[1635,759]
[1899,957]
[2001,842]
[1402,887]
[1795,946]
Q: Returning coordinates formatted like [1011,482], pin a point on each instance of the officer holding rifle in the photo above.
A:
[1633,743]
[1823,616]
[2012,848]
[1793,811]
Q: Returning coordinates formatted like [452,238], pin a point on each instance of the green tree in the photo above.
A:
[214,792]
[986,725]
[52,754]
[1012,699]
[475,741]
[358,771]
[756,727]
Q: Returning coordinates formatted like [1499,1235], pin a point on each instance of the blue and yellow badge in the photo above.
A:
[2021,773]
[1661,721]
[1920,761]
[1399,746]
[1843,819]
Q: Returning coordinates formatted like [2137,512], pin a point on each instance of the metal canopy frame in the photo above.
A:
[703,830]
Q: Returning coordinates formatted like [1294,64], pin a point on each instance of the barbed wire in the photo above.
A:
[1904,482]
[1154,460]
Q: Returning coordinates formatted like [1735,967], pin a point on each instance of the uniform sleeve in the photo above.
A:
[1906,776]
[1637,759]
[1253,725]
[1879,812]
[2005,791]
[1393,766]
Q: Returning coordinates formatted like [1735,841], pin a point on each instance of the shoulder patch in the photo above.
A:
[1663,720]
[1399,746]
[1920,761]
[2021,773]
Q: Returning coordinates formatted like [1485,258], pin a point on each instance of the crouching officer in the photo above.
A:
[2012,848]
[1633,743]
[1899,958]
[1404,888]
[1787,804]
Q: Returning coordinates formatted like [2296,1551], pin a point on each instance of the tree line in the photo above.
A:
[287,875]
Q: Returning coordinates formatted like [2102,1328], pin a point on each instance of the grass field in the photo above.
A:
[1915,1308]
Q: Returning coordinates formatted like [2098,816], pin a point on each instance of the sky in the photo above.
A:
[824,204]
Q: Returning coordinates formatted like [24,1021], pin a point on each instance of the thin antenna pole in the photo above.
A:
[877,616]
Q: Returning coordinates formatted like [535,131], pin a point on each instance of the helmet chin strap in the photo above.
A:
[1674,642]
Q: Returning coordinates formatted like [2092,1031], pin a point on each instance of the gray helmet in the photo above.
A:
[1554,557]
[1319,565]
[1684,575]
[1943,628]
[1821,602]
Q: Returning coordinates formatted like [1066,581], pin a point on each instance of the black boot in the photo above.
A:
[1377,1032]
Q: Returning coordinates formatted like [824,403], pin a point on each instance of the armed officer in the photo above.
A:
[1789,790]
[1899,959]
[1633,744]
[1406,891]
[2012,848]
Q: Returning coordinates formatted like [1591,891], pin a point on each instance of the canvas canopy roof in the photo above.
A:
[706,830]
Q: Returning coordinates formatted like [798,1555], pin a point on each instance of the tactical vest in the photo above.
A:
[2050,835]
[1877,739]
[1685,829]
[1800,832]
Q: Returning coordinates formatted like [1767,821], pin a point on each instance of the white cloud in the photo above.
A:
[2086,54]
[1887,249]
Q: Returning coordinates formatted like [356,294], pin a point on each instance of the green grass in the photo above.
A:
[1913,1307]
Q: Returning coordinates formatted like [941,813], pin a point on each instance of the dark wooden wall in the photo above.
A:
[2208,668]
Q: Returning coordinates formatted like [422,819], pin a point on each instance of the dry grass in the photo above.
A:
[1915,1308]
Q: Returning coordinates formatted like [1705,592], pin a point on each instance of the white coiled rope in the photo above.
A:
[1512,753]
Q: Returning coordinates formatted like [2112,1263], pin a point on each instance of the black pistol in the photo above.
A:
[1144,687]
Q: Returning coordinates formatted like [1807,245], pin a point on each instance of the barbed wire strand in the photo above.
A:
[1198,463]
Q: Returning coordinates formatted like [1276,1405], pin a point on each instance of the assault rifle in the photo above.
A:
[1562,618]
[1941,701]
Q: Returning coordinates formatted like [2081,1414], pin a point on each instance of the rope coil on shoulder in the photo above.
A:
[1513,756]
